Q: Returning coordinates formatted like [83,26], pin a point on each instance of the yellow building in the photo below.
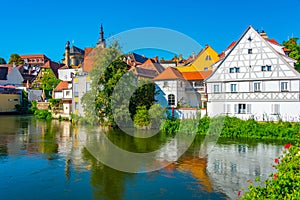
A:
[203,62]
[9,98]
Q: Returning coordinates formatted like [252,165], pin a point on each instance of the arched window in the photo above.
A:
[171,99]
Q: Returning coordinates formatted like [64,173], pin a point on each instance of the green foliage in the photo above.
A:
[2,61]
[23,108]
[171,126]
[157,115]
[235,127]
[48,81]
[15,58]
[55,104]
[141,118]
[143,96]
[293,45]
[43,114]
[285,183]
[108,69]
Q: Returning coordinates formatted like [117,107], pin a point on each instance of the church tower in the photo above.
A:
[101,41]
[67,54]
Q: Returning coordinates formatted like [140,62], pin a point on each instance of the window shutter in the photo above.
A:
[248,108]
[236,108]
[228,108]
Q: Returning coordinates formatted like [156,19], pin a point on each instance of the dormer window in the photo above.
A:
[208,57]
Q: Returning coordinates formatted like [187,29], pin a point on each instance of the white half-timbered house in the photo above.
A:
[256,80]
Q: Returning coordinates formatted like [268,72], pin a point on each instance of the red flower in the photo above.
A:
[287,146]
[276,160]
[239,193]
[275,176]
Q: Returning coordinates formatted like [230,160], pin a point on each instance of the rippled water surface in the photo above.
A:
[48,160]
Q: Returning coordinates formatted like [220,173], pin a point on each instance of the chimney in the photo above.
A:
[263,34]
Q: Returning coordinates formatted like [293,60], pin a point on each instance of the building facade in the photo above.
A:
[255,80]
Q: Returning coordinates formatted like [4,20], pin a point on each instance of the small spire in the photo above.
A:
[101,40]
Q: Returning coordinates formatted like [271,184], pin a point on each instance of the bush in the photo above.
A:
[43,114]
[285,183]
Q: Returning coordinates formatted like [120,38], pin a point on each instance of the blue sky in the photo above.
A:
[35,26]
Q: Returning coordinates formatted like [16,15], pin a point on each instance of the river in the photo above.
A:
[52,160]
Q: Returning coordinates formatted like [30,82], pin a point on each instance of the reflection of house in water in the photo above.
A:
[189,163]
[231,166]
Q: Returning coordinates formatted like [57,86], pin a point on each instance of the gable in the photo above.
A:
[14,76]
[250,65]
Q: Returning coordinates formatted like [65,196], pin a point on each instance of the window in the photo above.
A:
[249,51]
[234,70]
[269,68]
[275,109]
[216,88]
[263,68]
[76,105]
[284,86]
[257,86]
[68,93]
[171,99]
[88,86]
[76,89]
[233,88]
[205,68]
[240,108]
[208,57]
[266,68]
[180,83]
[165,84]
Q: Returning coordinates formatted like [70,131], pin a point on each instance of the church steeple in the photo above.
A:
[101,41]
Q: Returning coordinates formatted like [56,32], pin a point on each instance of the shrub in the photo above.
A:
[285,183]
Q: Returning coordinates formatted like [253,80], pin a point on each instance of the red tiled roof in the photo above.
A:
[87,51]
[62,85]
[54,66]
[206,74]
[273,41]
[189,76]
[149,64]
[197,75]
[170,73]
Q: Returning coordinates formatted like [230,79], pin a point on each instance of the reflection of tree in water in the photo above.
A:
[107,182]
[49,144]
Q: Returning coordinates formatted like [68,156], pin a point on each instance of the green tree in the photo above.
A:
[2,61]
[293,45]
[143,96]
[48,81]
[141,118]
[107,70]
[15,58]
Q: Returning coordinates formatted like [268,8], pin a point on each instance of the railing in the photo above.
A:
[255,96]
[199,89]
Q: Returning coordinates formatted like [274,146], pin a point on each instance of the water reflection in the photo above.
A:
[52,158]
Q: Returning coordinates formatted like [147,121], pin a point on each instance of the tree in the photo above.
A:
[292,45]
[108,69]
[15,58]
[143,96]
[2,61]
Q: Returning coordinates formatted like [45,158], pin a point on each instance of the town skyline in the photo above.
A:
[44,27]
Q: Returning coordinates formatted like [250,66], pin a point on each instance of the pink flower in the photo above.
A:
[287,146]
[276,160]
[275,176]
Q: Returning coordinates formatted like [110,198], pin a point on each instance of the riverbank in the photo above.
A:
[235,127]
